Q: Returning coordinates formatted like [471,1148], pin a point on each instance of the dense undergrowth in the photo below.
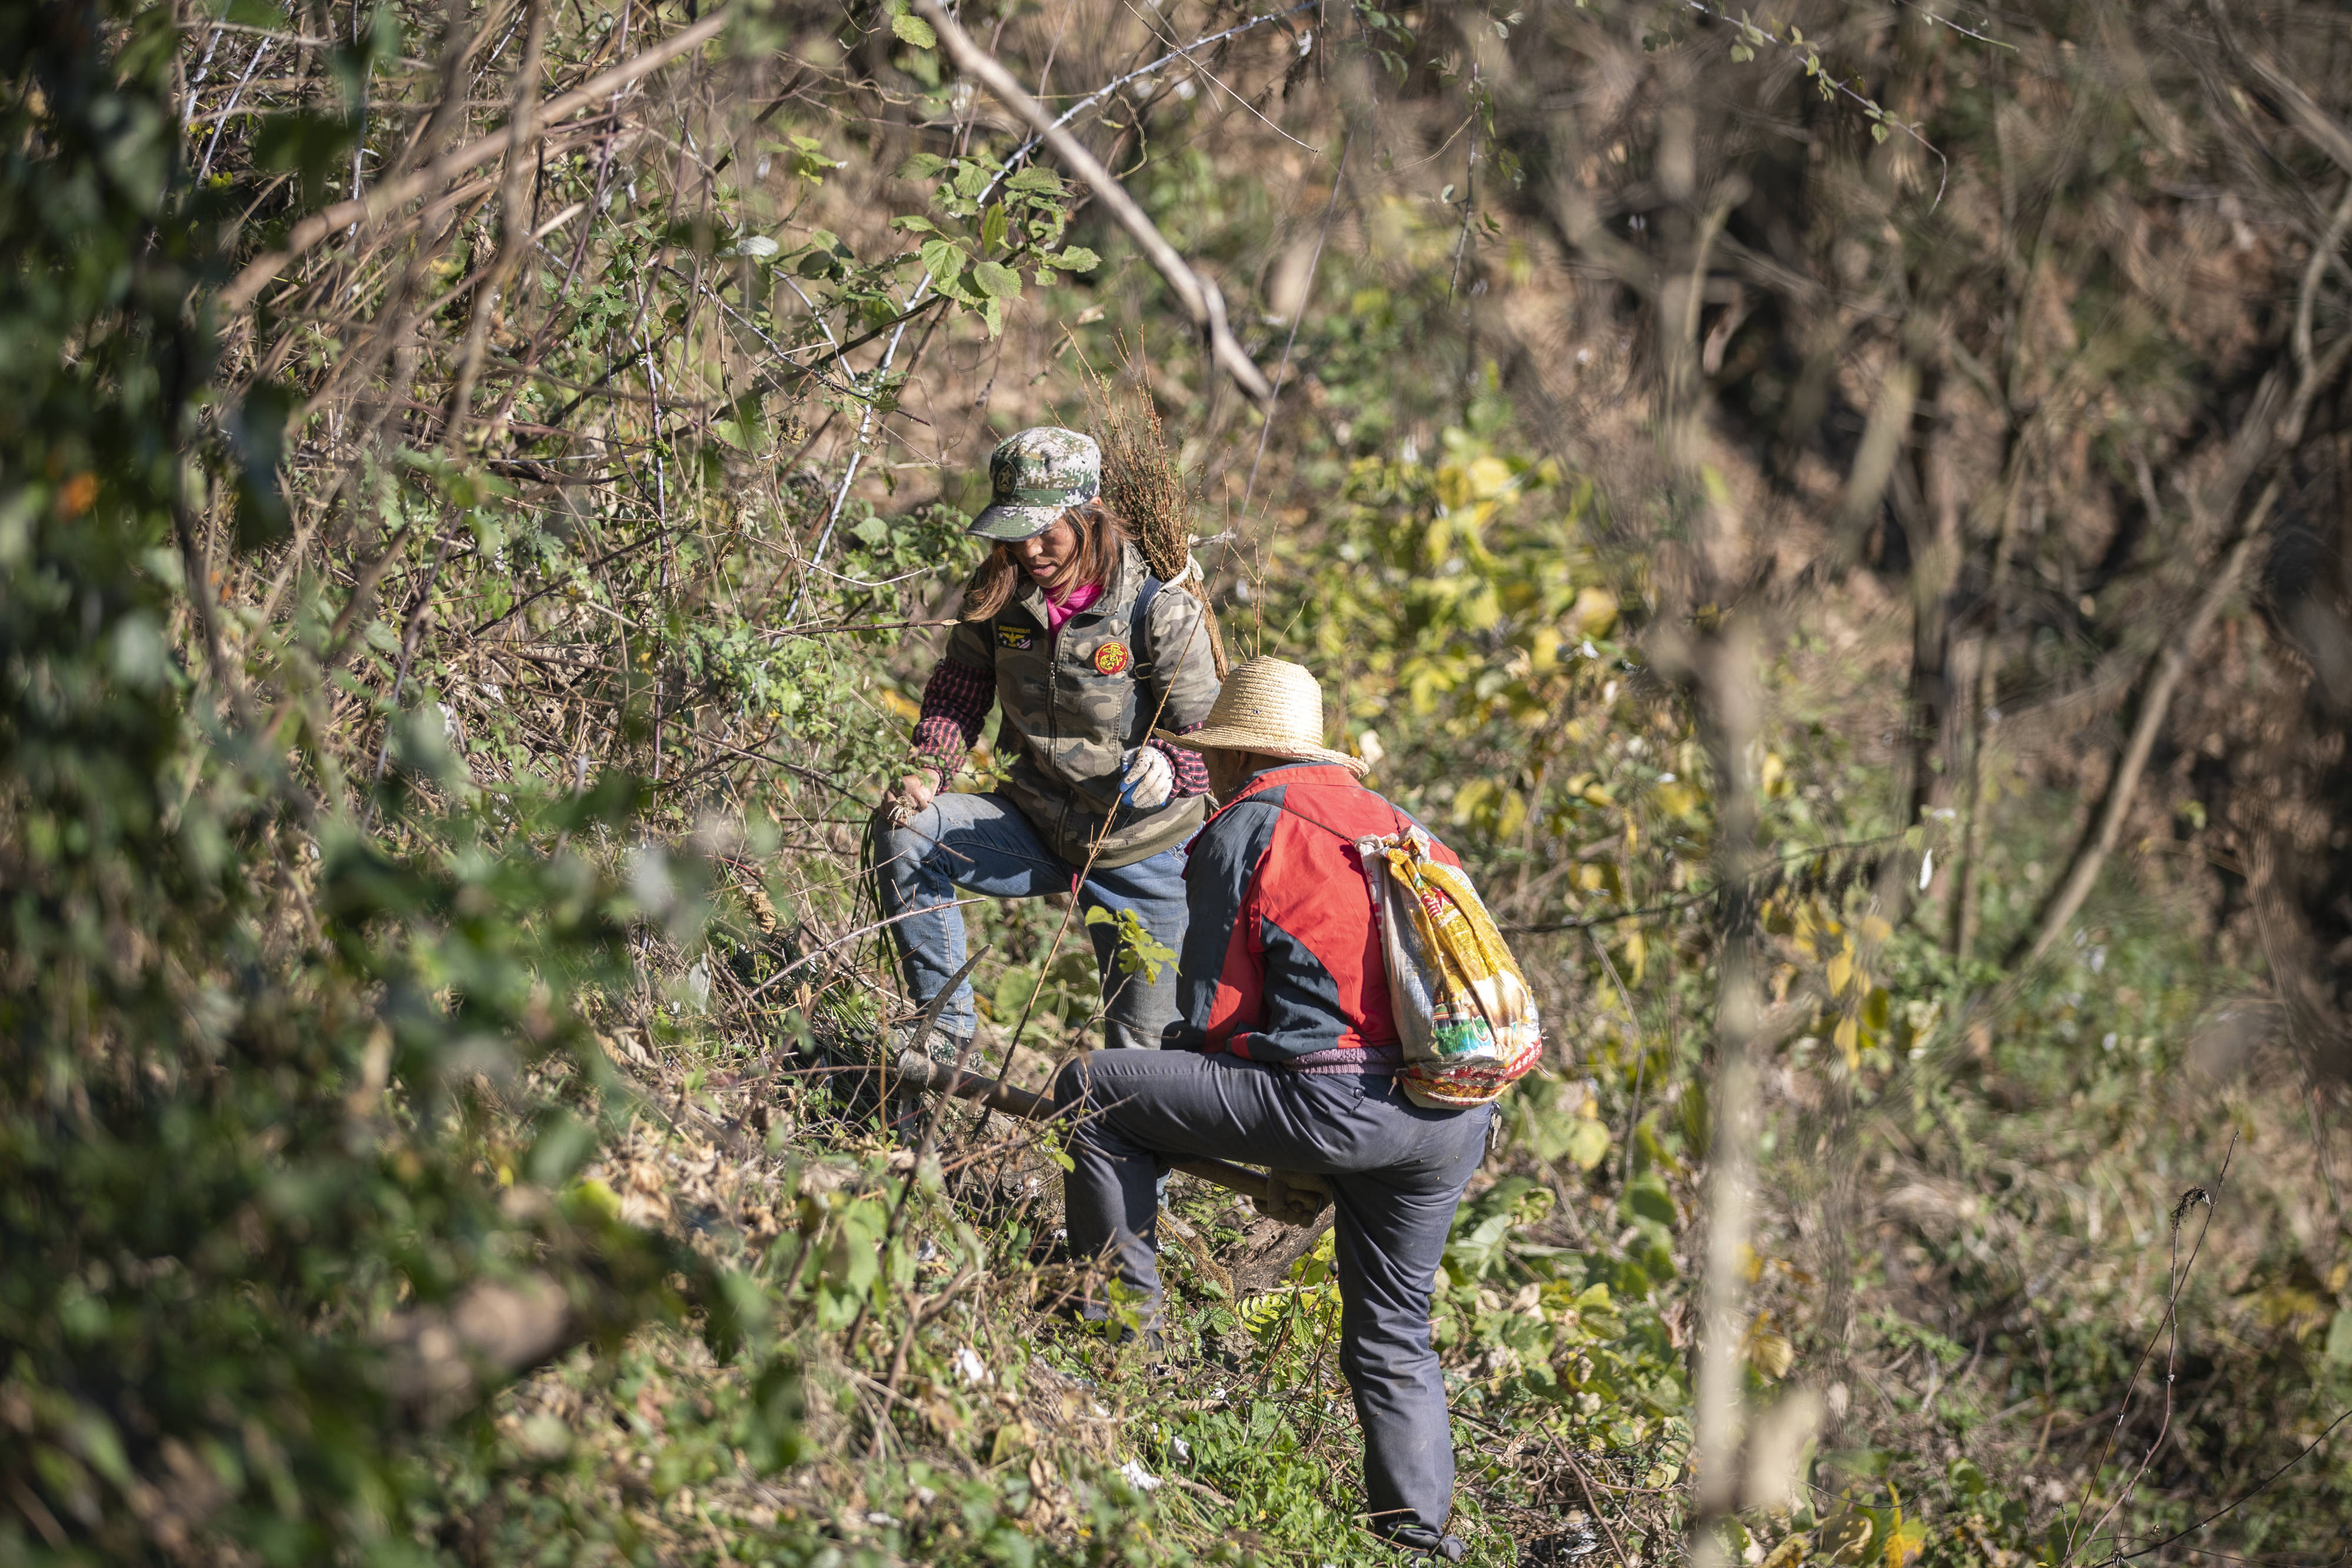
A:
[445,679]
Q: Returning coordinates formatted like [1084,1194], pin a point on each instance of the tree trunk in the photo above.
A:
[2164,677]
[1967,889]
[1727,715]
[1933,522]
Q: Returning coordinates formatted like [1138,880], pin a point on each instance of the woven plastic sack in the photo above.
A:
[1463,1008]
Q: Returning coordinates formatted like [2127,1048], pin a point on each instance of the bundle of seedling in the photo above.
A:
[1142,482]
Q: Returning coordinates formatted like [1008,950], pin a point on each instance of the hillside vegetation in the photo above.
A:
[1839,513]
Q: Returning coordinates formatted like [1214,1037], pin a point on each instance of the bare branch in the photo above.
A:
[1199,296]
[257,273]
[2319,127]
[2173,662]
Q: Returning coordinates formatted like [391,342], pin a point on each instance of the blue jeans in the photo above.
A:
[982,843]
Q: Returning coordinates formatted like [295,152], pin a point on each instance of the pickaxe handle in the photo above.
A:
[919,1071]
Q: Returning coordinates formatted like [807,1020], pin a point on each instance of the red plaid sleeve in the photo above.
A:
[956,701]
[1191,772]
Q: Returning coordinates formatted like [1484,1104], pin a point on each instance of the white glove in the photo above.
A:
[1149,779]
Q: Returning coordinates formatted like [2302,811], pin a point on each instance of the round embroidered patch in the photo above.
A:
[1110,658]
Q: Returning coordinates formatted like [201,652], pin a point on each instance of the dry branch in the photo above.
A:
[2170,665]
[2261,439]
[1199,296]
[257,273]
[1014,1100]
[444,1355]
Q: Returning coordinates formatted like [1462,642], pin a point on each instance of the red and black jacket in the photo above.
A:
[1282,955]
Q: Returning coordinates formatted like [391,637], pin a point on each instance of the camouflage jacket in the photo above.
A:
[1075,704]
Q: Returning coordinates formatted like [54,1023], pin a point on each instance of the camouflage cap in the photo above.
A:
[1034,475]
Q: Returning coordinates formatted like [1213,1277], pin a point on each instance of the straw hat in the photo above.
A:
[1269,705]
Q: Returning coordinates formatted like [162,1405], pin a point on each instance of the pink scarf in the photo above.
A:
[1060,609]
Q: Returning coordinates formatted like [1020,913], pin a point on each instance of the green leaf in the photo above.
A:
[944,260]
[913,29]
[1070,258]
[997,280]
[311,145]
[257,439]
[1647,1199]
[2339,1338]
[1033,181]
[991,227]
[909,223]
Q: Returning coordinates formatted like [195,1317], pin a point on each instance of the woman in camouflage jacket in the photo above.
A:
[1066,633]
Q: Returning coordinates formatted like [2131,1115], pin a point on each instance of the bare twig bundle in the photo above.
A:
[1143,484]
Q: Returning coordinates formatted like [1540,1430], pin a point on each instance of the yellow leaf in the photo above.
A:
[1593,613]
[1875,929]
[594,1196]
[1766,1349]
[1014,1436]
[1840,969]
[1438,542]
[1849,1042]
[1543,649]
[1637,956]
[1482,608]
[1847,1537]
[1510,813]
[901,705]
[1772,778]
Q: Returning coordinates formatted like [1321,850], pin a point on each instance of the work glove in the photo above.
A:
[1294,1197]
[1149,779]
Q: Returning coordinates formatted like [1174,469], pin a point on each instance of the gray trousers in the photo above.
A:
[1398,1171]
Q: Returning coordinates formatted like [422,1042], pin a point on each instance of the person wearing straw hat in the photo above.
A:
[1288,1051]
[1064,630]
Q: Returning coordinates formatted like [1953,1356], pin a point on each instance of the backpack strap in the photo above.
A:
[1402,828]
[1138,622]
[1138,634]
